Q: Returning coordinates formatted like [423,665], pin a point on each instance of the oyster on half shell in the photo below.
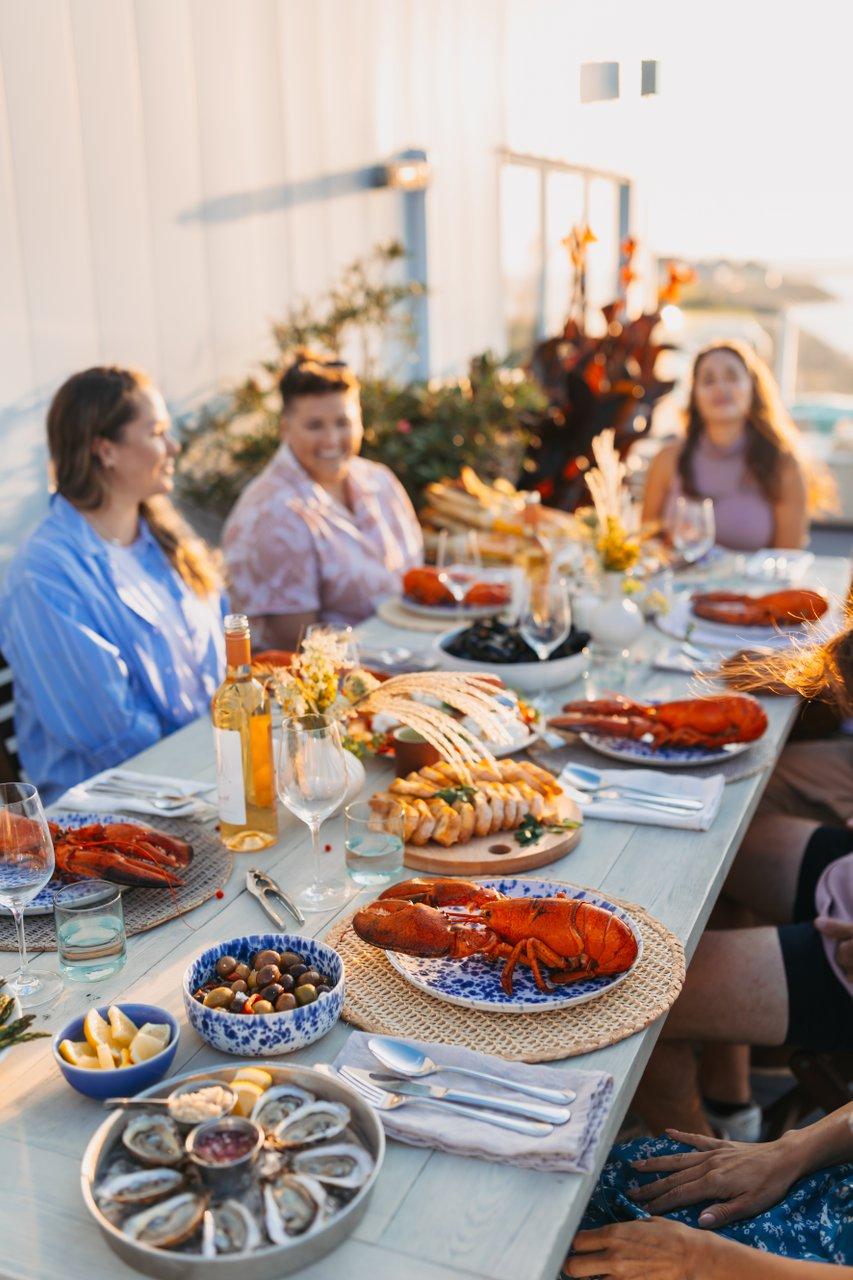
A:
[153,1139]
[169,1223]
[142,1186]
[335,1165]
[277,1103]
[228,1228]
[293,1205]
[315,1122]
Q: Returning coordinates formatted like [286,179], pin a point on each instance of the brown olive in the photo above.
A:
[262,1006]
[323,989]
[238,1004]
[238,985]
[297,970]
[312,977]
[225,965]
[252,980]
[286,982]
[267,974]
[288,958]
[305,994]
[272,992]
[242,971]
[219,998]
[285,1002]
[264,958]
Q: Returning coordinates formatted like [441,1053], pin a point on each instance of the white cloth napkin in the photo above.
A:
[708,790]
[81,799]
[675,659]
[569,1148]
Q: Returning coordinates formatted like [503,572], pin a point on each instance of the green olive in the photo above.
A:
[262,1006]
[306,994]
[242,971]
[219,998]
[252,980]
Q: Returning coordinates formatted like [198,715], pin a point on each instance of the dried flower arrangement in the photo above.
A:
[617,549]
[322,680]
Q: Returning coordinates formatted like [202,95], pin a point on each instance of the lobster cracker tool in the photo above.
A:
[264,888]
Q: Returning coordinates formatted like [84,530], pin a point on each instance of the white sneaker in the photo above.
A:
[740,1126]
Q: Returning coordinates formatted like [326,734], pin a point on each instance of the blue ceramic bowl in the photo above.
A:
[265,1034]
[124,1081]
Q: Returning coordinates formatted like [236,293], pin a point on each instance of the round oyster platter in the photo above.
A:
[304,1193]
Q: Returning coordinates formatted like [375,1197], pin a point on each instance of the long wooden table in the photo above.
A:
[432,1215]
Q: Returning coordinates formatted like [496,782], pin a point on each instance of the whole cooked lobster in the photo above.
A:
[779,609]
[571,938]
[425,586]
[691,722]
[121,852]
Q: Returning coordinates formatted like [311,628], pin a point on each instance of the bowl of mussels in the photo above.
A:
[498,648]
[250,1195]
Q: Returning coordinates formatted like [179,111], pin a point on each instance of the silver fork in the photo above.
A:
[385,1100]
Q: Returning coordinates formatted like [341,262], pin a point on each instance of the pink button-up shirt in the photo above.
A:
[291,547]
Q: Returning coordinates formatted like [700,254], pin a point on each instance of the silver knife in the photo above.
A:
[262,886]
[532,1110]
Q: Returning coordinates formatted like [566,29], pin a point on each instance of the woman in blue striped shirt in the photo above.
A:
[111,612]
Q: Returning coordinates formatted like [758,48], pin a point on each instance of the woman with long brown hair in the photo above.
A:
[111,613]
[740,449]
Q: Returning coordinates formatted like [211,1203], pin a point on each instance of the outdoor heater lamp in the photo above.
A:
[409,173]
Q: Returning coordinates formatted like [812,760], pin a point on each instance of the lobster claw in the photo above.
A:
[417,930]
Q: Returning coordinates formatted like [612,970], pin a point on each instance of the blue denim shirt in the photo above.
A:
[102,667]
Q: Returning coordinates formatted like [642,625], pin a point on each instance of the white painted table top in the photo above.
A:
[432,1215]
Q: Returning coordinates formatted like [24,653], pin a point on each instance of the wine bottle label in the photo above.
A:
[229,775]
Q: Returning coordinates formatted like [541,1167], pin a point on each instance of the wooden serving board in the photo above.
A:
[477,856]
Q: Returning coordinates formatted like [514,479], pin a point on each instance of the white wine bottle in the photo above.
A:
[242,732]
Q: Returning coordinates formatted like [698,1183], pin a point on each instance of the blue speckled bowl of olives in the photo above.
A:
[265,993]
[494,647]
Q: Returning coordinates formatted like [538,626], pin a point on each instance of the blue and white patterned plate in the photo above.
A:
[42,903]
[630,751]
[475,982]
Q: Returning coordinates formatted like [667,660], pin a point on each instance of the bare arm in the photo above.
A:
[285,630]
[790,516]
[658,480]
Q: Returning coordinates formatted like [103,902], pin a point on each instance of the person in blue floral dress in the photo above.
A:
[687,1206]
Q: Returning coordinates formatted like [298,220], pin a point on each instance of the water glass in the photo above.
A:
[458,562]
[373,843]
[27,862]
[90,930]
[692,527]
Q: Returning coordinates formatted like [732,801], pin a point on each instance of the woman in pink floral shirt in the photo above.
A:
[320,535]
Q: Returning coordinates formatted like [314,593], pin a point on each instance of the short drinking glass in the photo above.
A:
[90,930]
[26,864]
[373,842]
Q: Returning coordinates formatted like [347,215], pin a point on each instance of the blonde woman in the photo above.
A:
[741,450]
[111,613]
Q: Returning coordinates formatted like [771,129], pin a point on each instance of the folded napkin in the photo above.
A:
[675,659]
[81,799]
[569,1148]
[708,790]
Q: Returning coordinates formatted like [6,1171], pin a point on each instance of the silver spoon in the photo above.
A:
[406,1060]
[591,781]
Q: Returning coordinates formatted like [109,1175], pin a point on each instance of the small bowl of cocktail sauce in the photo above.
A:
[224,1152]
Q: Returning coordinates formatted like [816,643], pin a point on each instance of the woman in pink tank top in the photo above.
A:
[740,450]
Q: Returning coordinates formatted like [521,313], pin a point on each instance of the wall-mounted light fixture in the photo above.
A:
[409,172]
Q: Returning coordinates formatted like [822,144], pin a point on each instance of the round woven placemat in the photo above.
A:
[397,615]
[145,908]
[761,755]
[379,999]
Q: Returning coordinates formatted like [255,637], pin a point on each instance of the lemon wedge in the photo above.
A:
[143,1046]
[106,1061]
[158,1031]
[256,1075]
[122,1027]
[247,1095]
[97,1030]
[73,1050]
[126,1059]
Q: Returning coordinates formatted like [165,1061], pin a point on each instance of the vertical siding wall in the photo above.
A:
[164,177]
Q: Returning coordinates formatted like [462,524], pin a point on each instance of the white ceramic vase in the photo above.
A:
[616,623]
[356,777]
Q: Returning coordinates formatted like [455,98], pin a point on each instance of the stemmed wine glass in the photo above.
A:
[458,561]
[545,618]
[692,528]
[311,775]
[26,864]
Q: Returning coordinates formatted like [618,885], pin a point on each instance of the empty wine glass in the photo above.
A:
[311,775]
[692,528]
[26,864]
[545,618]
[458,562]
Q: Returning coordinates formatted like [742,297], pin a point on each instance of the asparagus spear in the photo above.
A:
[15,1032]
